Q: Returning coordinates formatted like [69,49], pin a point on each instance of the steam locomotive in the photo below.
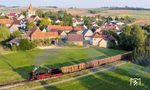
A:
[39,73]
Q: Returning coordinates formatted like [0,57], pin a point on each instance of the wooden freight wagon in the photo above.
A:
[81,66]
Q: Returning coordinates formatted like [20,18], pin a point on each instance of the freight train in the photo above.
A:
[35,75]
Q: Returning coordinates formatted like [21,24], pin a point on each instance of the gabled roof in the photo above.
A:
[33,18]
[86,31]
[38,34]
[98,35]
[6,21]
[75,37]
[78,28]
[59,27]
[12,14]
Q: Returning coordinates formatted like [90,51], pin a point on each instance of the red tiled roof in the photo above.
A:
[32,18]
[59,27]
[97,35]
[38,34]
[79,28]
[6,21]
[12,14]
[75,37]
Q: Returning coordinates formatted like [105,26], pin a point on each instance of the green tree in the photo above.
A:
[132,37]
[117,18]
[40,13]
[147,28]
[4,33]
[30,25]
[44,23]
[16,34]
[139,36]
[23,13]
[67,19]
[26,44]
[141,55]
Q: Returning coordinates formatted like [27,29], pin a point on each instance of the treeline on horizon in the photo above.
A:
[126,8]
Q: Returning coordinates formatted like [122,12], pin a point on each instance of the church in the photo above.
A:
[30,11]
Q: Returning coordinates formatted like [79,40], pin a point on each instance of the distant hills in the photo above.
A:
[126,8]
[1,6]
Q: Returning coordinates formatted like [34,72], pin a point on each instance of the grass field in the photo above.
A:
[15,66]
[118,79]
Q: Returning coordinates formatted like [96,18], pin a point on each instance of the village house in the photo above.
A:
[36,33]
[15,26]
[87,34]
[20,17]
[67,29]
[77,21]
[103,40]
[63,35]
[100,40]
[7,22]
[33,18]
[12,15]
[79,29]
[2,14]
[75,39]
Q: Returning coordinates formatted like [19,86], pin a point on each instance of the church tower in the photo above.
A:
[30,11]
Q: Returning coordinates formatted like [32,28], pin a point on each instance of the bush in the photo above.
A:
[14,48]
[26,44]
[41,42]
[16,34]
[141,56]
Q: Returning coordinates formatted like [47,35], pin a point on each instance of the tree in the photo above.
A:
[23,13]
[132,37]
[125,39]
[44,23]
[4,33]
[147,43]
[16,34]
[139,36]
[87,21]
[67,19]
[141,55]
[147,28]
[26,44]
[117,18]
[30,25]
[39,13]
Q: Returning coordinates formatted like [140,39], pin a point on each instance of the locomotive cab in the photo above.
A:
[41,73]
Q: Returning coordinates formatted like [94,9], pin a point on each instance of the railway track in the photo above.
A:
[23,82]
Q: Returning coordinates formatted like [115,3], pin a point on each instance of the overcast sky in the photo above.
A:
[78,3]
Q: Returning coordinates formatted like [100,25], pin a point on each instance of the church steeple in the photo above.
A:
[30,11]
[30,7]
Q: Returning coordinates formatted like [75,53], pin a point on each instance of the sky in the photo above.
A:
[78,3]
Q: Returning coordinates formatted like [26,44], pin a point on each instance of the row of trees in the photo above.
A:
[134,38]
[60,15]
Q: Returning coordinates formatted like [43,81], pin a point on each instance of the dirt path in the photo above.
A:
[86,75]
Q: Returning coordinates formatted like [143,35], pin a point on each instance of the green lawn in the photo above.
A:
[118,79]
[15,66]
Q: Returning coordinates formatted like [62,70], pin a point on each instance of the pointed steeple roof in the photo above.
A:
[30,7]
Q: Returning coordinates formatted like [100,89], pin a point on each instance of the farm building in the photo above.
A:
[75,39]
